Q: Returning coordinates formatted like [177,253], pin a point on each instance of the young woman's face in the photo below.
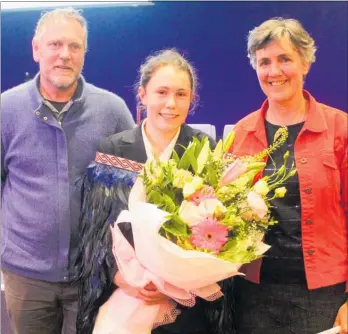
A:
[167,97]
[280,70]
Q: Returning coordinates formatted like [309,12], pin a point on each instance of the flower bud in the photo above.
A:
[261,187]
[281,170]
[280,192]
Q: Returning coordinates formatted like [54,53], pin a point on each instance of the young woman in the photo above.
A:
[166,91]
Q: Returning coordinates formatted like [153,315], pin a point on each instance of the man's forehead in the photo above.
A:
[62,25]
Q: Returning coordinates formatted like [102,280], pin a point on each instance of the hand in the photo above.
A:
[128,289]
[342,318]
[149,293]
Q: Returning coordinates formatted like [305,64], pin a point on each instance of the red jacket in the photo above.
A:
[321,163]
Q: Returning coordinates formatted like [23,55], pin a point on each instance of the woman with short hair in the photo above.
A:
[299,286]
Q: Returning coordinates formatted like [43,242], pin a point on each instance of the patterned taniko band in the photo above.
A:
[118,162]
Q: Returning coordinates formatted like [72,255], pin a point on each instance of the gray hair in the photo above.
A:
[163,58]
[275,29]
[61,13]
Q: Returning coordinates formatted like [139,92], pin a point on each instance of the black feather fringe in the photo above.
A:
[105,193]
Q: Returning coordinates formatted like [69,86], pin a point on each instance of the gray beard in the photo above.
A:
[64,85]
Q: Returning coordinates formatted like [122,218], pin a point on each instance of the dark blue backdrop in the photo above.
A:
[213,36]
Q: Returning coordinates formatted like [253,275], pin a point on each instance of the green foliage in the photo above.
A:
[238,251]
[203,156]
[176,227]
[175,157]
[212,172]
[188,158]
[229,141]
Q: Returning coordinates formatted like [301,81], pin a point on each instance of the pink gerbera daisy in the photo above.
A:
[207,192]
[209,235]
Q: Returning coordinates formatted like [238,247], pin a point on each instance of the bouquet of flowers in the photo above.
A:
[203,217]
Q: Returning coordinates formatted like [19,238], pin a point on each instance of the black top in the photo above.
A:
[60,113]
[283,262]
[58,105]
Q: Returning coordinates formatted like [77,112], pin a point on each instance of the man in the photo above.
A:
[51,128]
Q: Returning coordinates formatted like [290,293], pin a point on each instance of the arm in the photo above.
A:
[107,146]
[344,181]
[4,171]
[342,315]
[125,119]
[341,147]
[344,194]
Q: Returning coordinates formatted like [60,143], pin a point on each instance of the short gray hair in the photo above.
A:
[65,13]
[163,58]
[275,29]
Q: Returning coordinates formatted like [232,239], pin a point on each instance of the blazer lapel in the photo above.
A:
[132,146]
[184,139]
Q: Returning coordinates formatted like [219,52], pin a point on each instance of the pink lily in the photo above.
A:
[233,172]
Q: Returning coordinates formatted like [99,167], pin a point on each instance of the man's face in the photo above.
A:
[60,52]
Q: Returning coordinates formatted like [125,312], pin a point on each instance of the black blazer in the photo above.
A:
[129,144]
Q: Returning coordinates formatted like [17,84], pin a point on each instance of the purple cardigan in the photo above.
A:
[43,164]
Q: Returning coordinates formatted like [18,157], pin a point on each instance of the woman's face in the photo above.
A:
[280,71]
[167,97]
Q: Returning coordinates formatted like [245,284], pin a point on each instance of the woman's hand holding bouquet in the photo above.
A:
[203,217]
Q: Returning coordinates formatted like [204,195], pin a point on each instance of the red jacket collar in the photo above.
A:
[315,120]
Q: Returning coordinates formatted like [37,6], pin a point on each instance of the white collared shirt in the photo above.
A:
[137,193]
